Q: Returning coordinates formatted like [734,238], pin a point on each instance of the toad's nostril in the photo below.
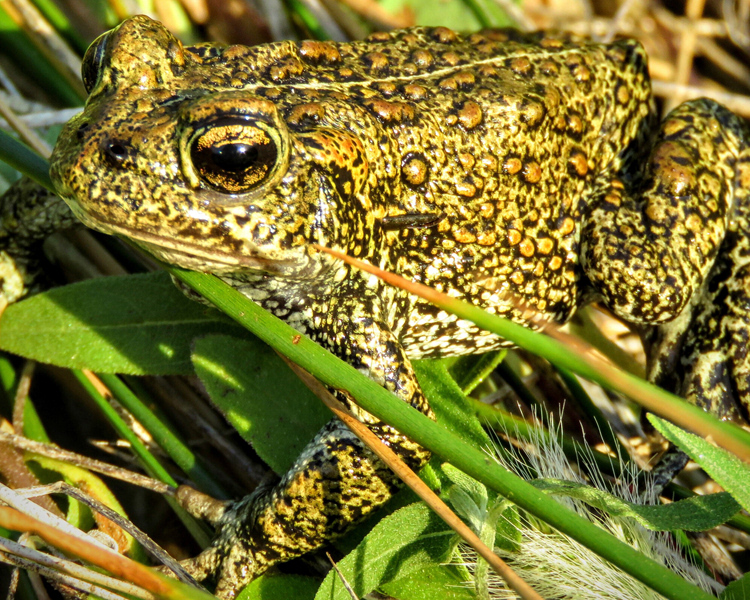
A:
[81,131]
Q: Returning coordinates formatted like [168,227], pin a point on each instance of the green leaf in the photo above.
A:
[737,590]
[408,542]
[726,469]
[137,324]
[436,581]
[450,405]
[697,513]
[471,370]
[260,396]
[280,587]
[176,590]
[509,536]
[470,485]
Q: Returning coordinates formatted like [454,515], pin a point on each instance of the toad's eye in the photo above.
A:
[91,67]
[232,155]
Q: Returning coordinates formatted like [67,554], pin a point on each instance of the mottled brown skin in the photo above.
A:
[477,164]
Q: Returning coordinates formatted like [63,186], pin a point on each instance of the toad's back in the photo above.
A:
[461,162]
[480,148]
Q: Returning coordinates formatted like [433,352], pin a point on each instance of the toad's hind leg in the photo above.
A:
[672,257]
[703,355]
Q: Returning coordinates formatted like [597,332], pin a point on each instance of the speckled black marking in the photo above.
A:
[410,221]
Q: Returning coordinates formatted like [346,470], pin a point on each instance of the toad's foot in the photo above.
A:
[333,485]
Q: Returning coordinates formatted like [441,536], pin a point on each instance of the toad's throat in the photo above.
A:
[192,256]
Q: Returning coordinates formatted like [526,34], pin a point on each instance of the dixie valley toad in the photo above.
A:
[478,164]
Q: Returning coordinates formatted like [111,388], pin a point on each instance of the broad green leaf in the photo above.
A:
[260,396]
[280,587]
[477,507]
[697,513]
[437,581]
[137,324]
[737,590]
[452,408]
[471,370]
[403,544]
[726,469]
[470,485]
[509,536]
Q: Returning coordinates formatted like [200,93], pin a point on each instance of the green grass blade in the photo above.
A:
[23,159]
[15,42]
[582,362]
[152,466]
[60,23]
[164,436]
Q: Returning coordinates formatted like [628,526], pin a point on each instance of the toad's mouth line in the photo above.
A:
[176,251]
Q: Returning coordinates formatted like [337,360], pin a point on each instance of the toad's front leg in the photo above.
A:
[672,257]
[29,214]
[336,481]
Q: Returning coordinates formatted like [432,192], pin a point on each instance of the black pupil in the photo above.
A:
[234,157]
